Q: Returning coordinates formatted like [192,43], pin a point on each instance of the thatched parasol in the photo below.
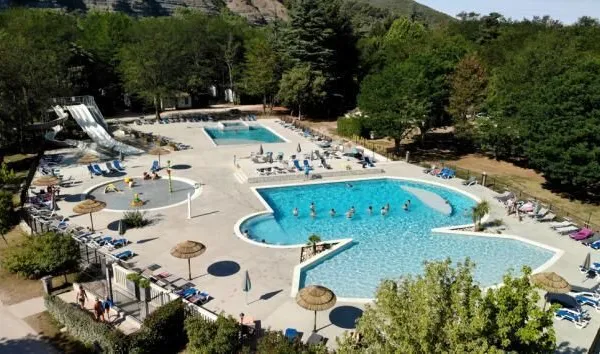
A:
[88,159]
[46,181]
[316,298]
[159,151]
[89,206]
[551,282]
[188,250]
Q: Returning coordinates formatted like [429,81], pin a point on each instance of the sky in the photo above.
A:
[566,11]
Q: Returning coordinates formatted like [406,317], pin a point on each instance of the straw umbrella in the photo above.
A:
[88,159]
[551,282]
[89,206]
[159,151]
[188,250]
[47,181]
[316,298]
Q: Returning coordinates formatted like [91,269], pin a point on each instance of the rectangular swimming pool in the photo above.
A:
[251,135]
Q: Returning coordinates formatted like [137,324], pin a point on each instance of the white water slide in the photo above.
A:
[97,132]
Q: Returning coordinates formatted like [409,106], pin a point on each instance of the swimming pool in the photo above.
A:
[250,135]
[384,246]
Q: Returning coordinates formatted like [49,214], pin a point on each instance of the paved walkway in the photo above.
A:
[16,336]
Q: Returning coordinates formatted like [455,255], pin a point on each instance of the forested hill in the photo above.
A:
[256,11]
[410,7]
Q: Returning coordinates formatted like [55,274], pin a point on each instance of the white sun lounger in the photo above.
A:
[566,230]
[559,224]
[548,217]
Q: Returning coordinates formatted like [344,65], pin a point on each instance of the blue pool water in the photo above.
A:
[255,134]
[385,247]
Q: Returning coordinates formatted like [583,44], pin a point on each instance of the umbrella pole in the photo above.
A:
[189,270]
[159,161]
[315,326]
[92,222]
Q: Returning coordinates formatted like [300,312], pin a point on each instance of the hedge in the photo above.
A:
[82,326]
[162,331]
[350,127]
[205,336]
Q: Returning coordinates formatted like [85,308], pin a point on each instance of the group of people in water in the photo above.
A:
[350,212]
[152,176]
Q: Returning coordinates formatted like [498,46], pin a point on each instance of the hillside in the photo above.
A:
[408,7]
[256,11]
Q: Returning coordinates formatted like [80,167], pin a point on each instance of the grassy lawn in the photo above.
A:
[14,288]
[49,330]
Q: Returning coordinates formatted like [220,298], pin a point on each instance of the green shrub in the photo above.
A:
[204,336]
[134,277]
[82,326]
[7,176]
[7,212]
[162,331]
[350,127]
[49,253]
[144,283]
[272,342]
[135,218]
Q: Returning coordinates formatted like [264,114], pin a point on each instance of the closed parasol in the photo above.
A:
[316,298]
[158,151]
[188,250]
[89,206]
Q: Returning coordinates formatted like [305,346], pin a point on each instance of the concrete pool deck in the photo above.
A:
[224,201]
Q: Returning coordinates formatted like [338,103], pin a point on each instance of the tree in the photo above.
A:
[151,62]
[312,241]
[468,92]
[301,86]
[390,103]
[205,336]
[478,212]
[7,217]
[262,69]
[444,311]
[49,253]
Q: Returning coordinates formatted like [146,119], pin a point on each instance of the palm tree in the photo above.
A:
[479,211]
[312,241]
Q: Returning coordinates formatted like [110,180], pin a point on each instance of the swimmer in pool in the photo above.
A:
[295,212]
[408,202]
[405,207]
[383,211]
[246,233]
[332,212]
[348,185]
[313,214]
[370,210]
[349,214]
[312,206]
[352,210]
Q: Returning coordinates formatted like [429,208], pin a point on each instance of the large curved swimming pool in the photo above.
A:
[384,246]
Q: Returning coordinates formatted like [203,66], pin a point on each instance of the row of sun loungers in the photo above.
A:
[445,173]
[175,119]
[111,168]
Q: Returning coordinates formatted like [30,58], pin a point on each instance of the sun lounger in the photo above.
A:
[471,181]
[118,165]
[110,168]
[297,165]
[369,162]
[291,333]
[125,255]
[100,241]
[591,240]
[589,299]
[199,298]
[547,217]
[566,230]
[155,166]
[93,171]
[578,318]
[539,214]
[505,196]
[581,234]
[97,170]
[307,165]
[559,224]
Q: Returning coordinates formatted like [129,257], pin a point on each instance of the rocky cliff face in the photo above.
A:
[256,11]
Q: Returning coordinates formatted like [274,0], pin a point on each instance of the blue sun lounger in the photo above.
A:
[587,298]
[110,168]
[155,166]
[297,165]
[118,165]
[94,172]
[125,255]
[369,162]
[199,298]
[578,318]
[97,170]
[307,165]
[291,333]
